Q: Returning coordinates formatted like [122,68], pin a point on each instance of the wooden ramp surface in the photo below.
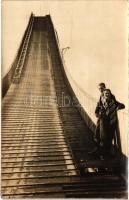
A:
[44,141]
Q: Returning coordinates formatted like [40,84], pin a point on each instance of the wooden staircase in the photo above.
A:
[44,141]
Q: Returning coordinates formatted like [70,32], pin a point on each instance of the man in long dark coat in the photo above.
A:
[100,103]
[107,115]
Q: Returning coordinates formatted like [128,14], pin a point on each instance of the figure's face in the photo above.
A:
[107,94]
[101,88]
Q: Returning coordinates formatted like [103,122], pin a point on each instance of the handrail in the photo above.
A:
[22,57]
[83,113]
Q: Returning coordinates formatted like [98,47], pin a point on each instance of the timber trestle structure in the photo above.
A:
[45,140]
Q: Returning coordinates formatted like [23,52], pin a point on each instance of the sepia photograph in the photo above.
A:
[64,104]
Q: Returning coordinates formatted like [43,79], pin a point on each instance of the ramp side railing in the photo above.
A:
[88,108]
[21,60]
[8,78]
